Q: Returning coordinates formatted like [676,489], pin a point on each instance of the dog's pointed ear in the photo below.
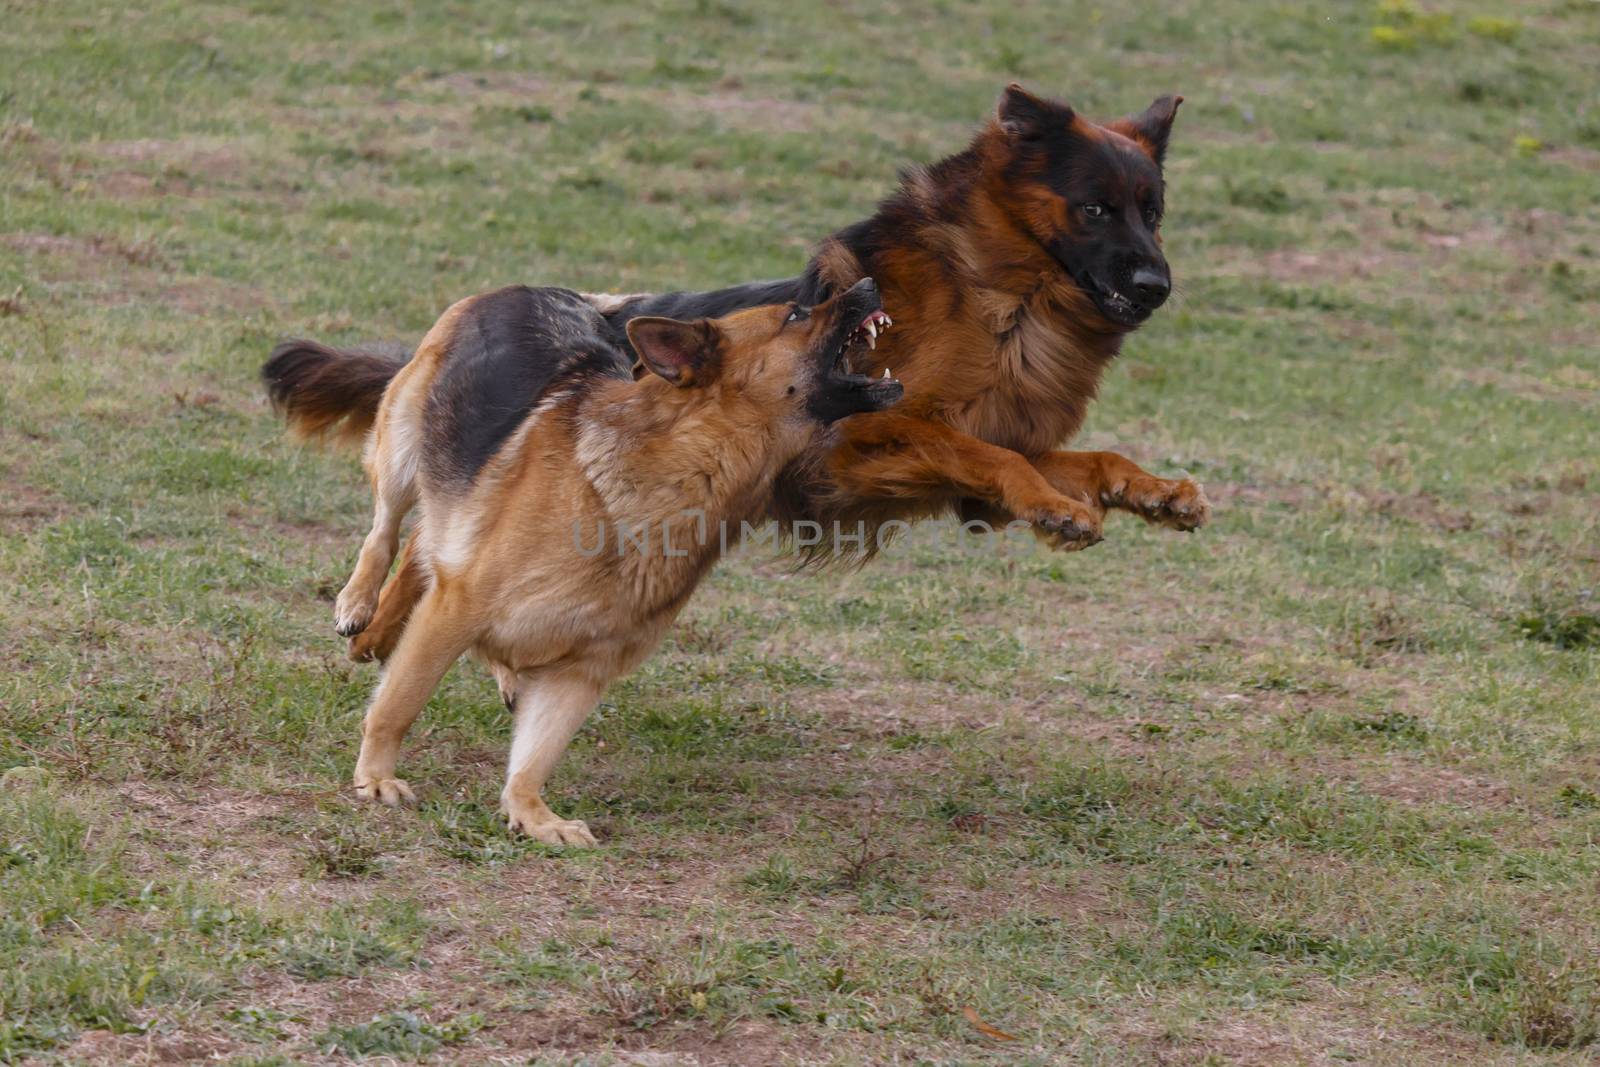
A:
[1025,117]
[1154,123]
[684,353]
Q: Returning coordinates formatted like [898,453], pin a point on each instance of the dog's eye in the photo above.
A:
[796,314]
[1152,216]
[1095,210]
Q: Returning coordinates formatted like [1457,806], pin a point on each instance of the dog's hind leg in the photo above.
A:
[392,463]
[395,603]
[440,629]
[1118,482]
[549,705]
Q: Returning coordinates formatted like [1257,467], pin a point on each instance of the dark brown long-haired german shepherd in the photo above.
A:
[1014,269]
[569,510]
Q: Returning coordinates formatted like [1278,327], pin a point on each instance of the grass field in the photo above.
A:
[1320,784]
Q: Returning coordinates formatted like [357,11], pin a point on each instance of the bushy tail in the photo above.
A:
[329,392]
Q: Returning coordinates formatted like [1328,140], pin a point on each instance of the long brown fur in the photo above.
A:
[1001,354]
[327,392]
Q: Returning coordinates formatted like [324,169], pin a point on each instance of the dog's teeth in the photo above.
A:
[872,342]
[886,372]
[872,328]
[887,321]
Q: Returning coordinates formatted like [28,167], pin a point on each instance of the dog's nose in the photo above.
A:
[1151,287]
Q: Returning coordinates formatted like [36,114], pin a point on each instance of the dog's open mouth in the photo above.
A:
[1113,304]
[842,392]
[882,391]
[866,334]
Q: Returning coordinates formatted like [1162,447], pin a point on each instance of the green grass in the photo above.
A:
[1315,785]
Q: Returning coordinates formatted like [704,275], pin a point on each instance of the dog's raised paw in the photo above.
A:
[1181,505]
[1068,539]
[350,623]
[391,792]
[1067,530]
[368,646]
[352,612]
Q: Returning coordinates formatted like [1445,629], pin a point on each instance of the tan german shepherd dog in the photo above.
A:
[567,510]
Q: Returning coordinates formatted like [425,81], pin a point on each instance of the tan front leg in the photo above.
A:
[439,631]
[1118,482]
[550,706]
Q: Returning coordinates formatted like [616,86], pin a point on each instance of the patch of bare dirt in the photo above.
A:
[126,185]
[211,160]
[913,706]
[531,1032]
[1087,901]
[1423,508]
[220,829]
[1290,265]
[1221,493]
[1332,1027]
[201,296]
[766,113]
[331,539]
[1129,738]
[682,1044]
[743,1043]
[1410,782]
[726,102]
[1570,384]
[1238,1042]
[24,505]
[1416,241]
[111,270]
[1574,156]
[518,83]
[18,133]
[135,253]
[412,127]
[102,1048]
[138,169]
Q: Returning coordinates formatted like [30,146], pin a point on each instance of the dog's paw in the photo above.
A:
[388,791]
[547,828]
[1065,524]
[573,833]
[1181,505]
[354,609]
[372,645]
[350,619]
